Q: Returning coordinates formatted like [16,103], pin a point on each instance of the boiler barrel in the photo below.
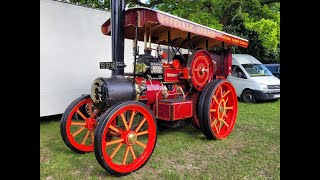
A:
[112,90]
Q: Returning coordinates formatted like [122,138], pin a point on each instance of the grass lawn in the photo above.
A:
[252,151]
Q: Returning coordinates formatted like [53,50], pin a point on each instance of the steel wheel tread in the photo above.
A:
[201,104]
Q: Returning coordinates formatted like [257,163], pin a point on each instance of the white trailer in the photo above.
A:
[71,47]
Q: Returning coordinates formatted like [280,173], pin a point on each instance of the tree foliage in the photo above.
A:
[255,20]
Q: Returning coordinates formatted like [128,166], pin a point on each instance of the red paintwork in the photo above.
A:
[90,125]
[227,61]
[185,74]
[201,60]
[175,64]
[171,75]
[164,55]
[221,77]
[143,157]
[164,111]
[172,110]
[170,21]
[154,88]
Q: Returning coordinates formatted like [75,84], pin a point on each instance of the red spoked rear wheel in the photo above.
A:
[125,138]
[78,123]
[220,110]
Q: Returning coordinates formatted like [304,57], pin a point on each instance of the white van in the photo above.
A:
[252,80]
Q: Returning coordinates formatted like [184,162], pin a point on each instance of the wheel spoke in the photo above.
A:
[225,115]
[124,121]
[132,152]
[80,113]
[95,112]
[231,107]
[114,142]
[113,133]
[142,133]
[225,123]
[116,150]
[85,137]
[125,156]
[221,124]
[214,122]
[78,123]
[90,109]
[213,110]
[77,132]
[221,92]
[141,123]
[92,136]
[226,93]
[141,144]
[115,129]
[217,128]
[215,99]
[131,119]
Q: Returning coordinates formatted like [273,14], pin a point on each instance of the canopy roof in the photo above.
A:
[179,28]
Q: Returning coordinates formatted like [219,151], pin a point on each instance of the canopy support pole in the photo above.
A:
[135,52]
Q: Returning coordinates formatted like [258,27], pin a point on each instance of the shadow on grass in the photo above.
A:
[187,129]
[104,174]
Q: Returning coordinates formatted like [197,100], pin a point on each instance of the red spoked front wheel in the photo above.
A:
[125,138]
[78,123]
[220,110]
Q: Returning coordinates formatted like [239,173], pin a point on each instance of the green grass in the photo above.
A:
[252,151]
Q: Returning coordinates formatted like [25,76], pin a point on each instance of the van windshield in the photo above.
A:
[256,70]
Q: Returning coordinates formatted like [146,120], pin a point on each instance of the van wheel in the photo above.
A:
[247,96]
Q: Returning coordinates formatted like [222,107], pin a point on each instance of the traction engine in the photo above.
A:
[119,119]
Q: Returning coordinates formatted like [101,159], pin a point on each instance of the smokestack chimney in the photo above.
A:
[117,35]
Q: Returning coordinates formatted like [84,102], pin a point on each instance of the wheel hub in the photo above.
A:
[201,70]
[221,109]
[249,97]
[131,138]
[91,124]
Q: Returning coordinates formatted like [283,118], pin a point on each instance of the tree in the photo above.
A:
[256,20]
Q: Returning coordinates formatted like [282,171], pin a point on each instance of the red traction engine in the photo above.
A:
[119,119]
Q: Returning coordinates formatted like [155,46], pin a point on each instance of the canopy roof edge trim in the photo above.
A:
[161,22]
